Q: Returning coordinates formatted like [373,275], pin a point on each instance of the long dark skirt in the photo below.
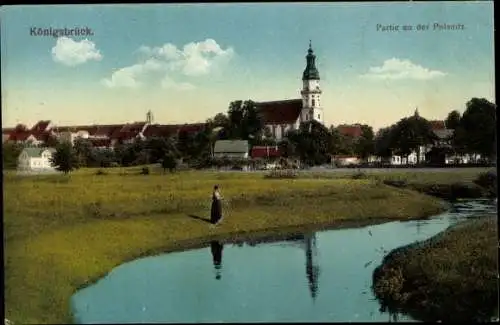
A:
[216,211]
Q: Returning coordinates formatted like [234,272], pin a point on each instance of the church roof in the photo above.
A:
[281,111]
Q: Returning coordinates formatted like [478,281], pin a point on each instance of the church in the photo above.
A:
[286,115]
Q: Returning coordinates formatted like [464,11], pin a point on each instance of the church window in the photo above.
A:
[319,118]
[307,116]
[313,102]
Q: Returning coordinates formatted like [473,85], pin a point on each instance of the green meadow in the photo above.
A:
[62,233]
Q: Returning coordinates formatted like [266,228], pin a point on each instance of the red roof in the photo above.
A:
[265,151]
[437,125]
[157,130]
[110,131]
[106,130]
[20,127]
[40,126]
[24,135]
[40,136]
[280,112]
[193,128]
[350,130]
[19,136]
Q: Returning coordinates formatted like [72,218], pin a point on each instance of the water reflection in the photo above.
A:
[216,247]
[312,267]
[263,279]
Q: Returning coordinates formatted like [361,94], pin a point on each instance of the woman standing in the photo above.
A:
[216,211]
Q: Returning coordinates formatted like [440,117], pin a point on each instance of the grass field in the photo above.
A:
[63,232]
[452,277]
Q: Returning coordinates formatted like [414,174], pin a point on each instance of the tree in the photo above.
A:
[287,148]
[169,162]
[103,157]
[186,144]
[452,120]
[10,154]
[159,146]
[245,122]
[476,132]
[52,141]
[384,141]
[312,142]
[84,151]
[365,145]
[64,159]
[219,120]
[411,133]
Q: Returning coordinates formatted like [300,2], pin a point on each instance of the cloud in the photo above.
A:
[72,53]
[195,59]
[396,69]
[128,77]
[169,83]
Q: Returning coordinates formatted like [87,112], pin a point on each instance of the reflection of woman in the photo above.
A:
[216,211]
[216,248]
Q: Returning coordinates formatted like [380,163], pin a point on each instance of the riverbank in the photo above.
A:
[64,232]
[451,277]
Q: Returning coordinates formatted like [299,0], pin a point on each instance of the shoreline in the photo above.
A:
[447,288]
[259,235]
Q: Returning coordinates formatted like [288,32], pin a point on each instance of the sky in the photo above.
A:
[187,62]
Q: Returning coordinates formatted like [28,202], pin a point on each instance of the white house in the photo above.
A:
[36,159]
[232,149]
[346,160]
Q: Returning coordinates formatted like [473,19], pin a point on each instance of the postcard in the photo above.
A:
[249,162]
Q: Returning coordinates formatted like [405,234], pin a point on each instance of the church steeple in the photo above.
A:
[310,72]
[311,93]
[149,117]
[312,268]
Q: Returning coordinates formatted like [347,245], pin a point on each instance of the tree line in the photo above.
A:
[313,143]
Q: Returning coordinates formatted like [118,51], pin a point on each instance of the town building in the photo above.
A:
[282,116]
[100,136]
[231,149]
[36,159]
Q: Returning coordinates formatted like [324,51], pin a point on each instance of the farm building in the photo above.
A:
[36,159]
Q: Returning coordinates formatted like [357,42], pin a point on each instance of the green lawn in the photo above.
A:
[63,232]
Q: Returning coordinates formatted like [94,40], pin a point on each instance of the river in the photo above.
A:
[316,277]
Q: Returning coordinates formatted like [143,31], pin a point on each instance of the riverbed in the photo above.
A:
[314,277]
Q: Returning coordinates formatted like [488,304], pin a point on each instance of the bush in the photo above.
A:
[145,171]
[281,173]
[101,172]
[488,181]
[396,182]
[359,175]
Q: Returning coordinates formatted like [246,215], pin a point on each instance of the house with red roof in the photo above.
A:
[353,130]
[37,135]
[6,134]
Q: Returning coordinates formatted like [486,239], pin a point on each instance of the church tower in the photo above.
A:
[311,93]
